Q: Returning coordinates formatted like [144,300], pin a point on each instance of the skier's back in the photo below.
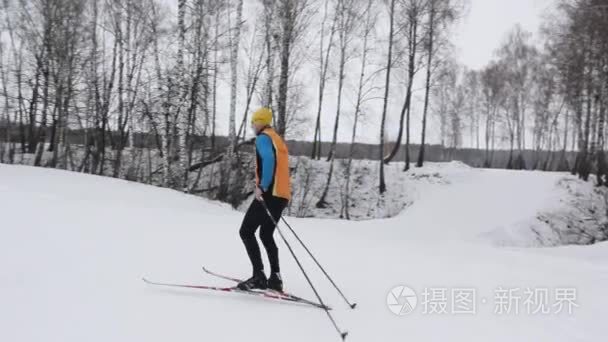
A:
[273,190]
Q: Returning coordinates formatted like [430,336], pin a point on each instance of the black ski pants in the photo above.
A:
[255,217]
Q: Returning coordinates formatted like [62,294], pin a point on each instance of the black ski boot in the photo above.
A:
[275,282]
[258,281]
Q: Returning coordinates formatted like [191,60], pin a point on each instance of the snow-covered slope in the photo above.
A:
[504,207]
[453,200]
[73,249]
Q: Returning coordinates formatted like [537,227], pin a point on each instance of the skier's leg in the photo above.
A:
[275,206]
[252,220]
[266,232]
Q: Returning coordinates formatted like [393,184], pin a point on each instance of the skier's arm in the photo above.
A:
[263,144]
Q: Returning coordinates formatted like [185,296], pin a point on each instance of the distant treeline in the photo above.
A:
[542,160]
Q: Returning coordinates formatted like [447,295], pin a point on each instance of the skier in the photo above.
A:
[272,188]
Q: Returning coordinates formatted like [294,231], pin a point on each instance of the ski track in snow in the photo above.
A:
[73,249]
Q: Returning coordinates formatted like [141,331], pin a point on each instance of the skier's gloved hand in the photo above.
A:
[259,193]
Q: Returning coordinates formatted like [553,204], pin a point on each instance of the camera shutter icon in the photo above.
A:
[401,300]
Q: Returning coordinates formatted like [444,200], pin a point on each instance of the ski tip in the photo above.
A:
[147,281]
[353,306]
[344,334]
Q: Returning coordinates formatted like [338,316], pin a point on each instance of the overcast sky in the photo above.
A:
[484,25]
[487,22]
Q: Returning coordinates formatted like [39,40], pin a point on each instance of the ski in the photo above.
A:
[284,294]
[234,289]
[236,280]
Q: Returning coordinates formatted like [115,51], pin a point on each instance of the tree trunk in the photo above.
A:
[269,16]
[382,186]
[121,86]
[32,137]
[343,33]
[602,168]
[214,81]
[412,46]
[367,29]
[317,143]
[181,119]
[4,80]
[234,60]
[287,28]
[427,89]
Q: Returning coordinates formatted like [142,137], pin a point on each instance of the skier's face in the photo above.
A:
[256,127]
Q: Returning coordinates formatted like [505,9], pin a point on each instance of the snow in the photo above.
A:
[502,206]
[508,208]
[74,247]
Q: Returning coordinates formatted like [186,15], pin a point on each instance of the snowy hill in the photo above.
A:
[453,200]
[74,247]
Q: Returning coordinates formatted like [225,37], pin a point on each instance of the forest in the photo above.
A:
[160,92]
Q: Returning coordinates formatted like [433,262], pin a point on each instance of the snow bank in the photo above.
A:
[309,178]
[507,208]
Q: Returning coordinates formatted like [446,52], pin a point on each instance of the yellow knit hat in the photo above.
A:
[262,116]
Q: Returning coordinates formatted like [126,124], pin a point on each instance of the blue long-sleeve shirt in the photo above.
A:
[263,145]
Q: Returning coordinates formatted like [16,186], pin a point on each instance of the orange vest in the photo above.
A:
[281,184]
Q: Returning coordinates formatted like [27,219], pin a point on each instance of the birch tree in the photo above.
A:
[363,91]
[518,55]
[389,64]
[413,11]
[293,16]
[234,60]
[345,25]
[324,54]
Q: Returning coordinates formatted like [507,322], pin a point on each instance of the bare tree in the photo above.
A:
[345,25]
[518,55]
[382,186]
[270,36]
[288,12]
[179,118]
[441,13]
[323,68]
[492,86]
[413,12]
[234,59]
[362,93]
[294,17]
[254,73]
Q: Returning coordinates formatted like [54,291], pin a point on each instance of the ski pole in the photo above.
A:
[293,254]
[352,305]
